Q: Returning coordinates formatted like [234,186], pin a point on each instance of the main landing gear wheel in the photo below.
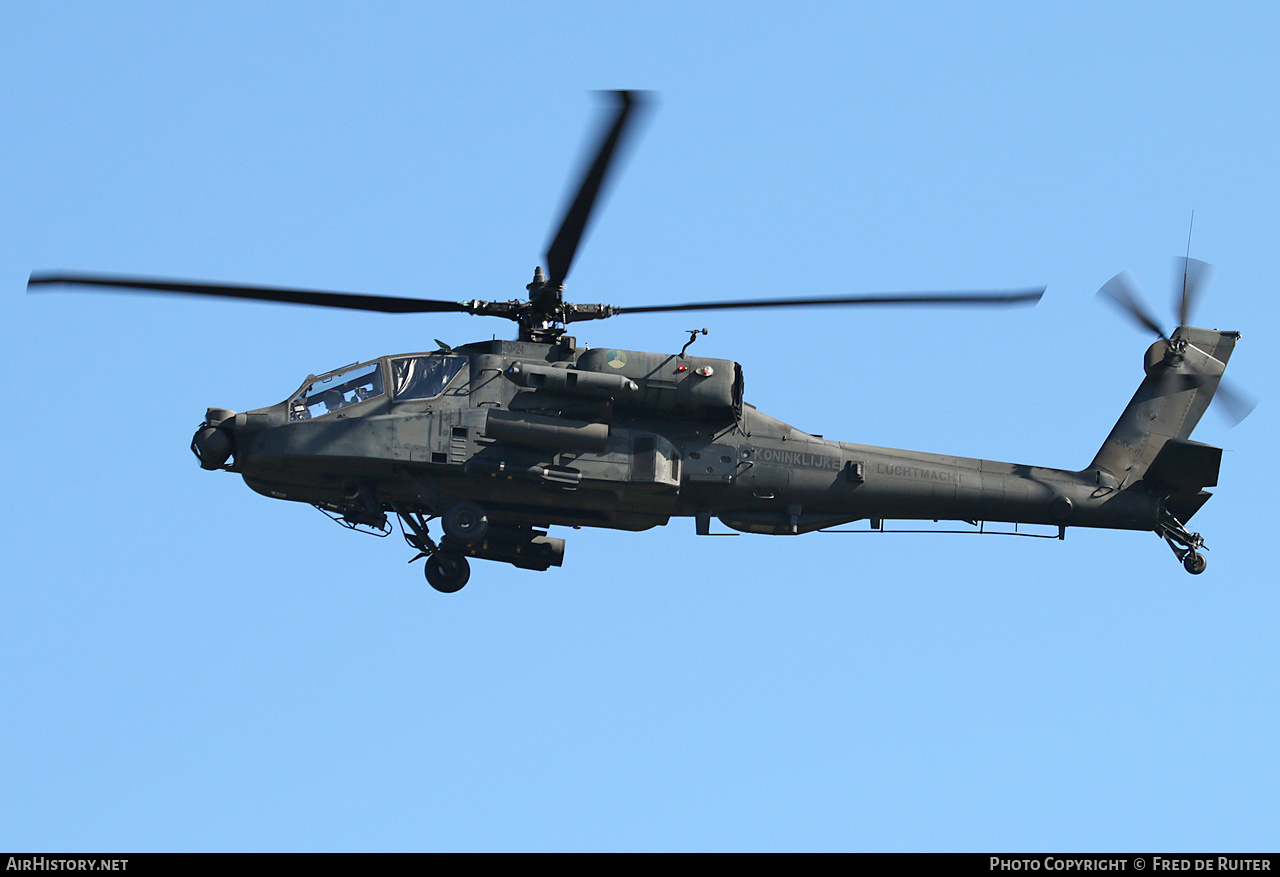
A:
[1194,563]
[465,522]
[447,573]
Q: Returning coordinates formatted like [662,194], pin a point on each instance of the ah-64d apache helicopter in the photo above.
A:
[502,439]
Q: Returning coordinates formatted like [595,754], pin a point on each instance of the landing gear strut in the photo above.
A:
[469,533]
[446,571]
[1184,544]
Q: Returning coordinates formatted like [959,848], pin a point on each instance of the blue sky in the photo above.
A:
[190,666]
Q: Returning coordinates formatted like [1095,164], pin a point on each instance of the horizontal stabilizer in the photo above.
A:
[1184,466]
[1184,505]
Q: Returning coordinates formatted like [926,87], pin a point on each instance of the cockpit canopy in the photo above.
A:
[337,390]
[423,376]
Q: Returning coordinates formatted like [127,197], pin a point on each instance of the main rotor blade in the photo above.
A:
[560,252]
[1012,297]
[350,300]
[1191,276]
[1122,290]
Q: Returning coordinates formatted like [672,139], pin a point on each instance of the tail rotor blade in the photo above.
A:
[1191,276]
[1123,291]
[1233,405]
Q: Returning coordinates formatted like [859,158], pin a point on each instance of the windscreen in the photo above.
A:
[424,377]
[337,390]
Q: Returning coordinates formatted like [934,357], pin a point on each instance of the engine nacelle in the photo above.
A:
[669,384]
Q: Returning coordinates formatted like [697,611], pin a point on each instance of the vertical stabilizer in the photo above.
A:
[1182,376]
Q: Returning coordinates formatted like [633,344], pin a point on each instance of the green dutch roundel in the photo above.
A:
[616,359]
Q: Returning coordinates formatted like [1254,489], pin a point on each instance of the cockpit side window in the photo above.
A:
[423,377]
[337,390]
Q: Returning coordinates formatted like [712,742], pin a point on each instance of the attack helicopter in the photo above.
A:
[498,441]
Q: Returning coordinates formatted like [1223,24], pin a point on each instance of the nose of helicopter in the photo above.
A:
[212,444]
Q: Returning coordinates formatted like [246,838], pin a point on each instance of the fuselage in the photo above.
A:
[553,434]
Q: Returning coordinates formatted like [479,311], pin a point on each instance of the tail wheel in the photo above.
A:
[447,573]
[1194,563]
